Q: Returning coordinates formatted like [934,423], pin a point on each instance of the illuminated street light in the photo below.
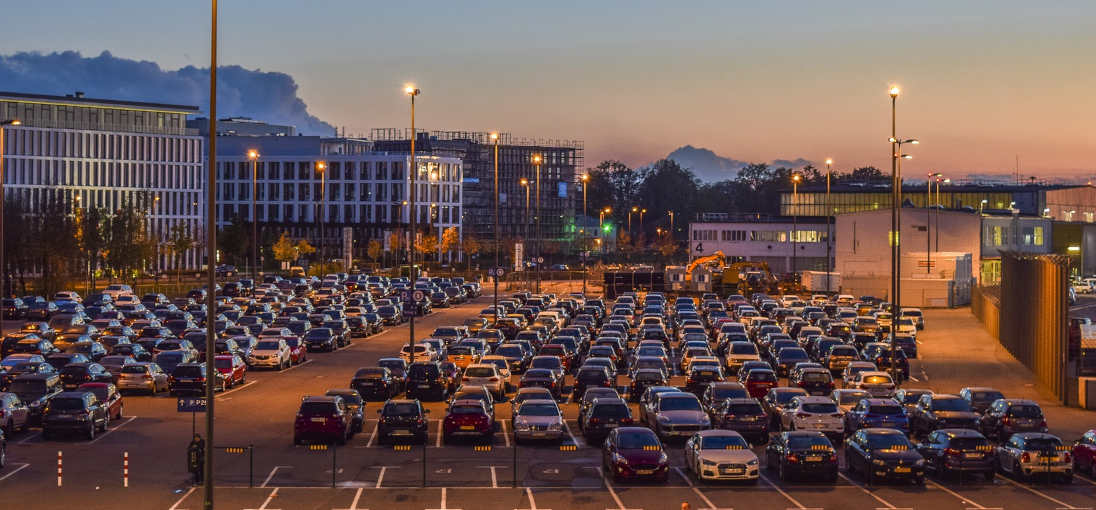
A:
[253,156]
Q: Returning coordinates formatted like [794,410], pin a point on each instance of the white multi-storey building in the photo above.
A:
[105,153]
[364,190]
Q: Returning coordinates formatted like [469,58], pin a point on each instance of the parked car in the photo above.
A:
[323,419]
[1030,454]
[876,412]
[941,411]
[14,414]
[144,376]
[108,396]
[1084,453]
[721,455]
[879,453]
[232,367]
[802,454]
[634,453]
[355,405]
[950,451]
[468,418]
[36,391]
[375,383]
[538,420]
[399,419]
[601,416]
[1006,417]
[74,411]
[980,398]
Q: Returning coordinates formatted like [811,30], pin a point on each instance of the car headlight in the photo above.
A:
[878,462]
[752,462]
[662,458]
[707,462]
[619,459]
[664,420]
[919,463]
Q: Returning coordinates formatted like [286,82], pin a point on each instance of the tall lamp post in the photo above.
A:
[413,171]
[3,202]
[253,156]
[928,218]
[601,225]
[211,251]
[498,236]
[321,167]
[795,223]
[528,219]
[536,164]
[829,228]
[634,209]
[896,222]
[585,244]
[641,213]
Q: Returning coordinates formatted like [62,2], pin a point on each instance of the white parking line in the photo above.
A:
[380,476]
[505,435]
[354,504]
[234,390]
[866,491]
[307,361]
[116,427]
[532,502]
[373,434]
[27,439]
[574,439]
[612,492]
[1083,479]
[782,493]
[962,498]
[16,470]
[439,433]
[273,493]
[1038,493]
[711,506]
[182,498]
[271,475]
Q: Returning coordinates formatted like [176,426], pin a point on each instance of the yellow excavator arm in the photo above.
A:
[716,259]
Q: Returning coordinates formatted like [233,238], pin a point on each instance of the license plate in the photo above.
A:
[611,425]
[539,434]
[734,471]
[820,426]
[973,455]
[645,471]
[706,373]
[424,385]
[814,458]
[401,432]
[319,420]
[901,469]
[467,427]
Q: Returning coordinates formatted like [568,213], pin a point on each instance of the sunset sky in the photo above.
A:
[982,81]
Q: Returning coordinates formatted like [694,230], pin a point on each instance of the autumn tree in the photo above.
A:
[374,250]
[450,239]
[179,241]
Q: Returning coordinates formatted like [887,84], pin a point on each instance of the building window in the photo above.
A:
[1037,237]
[998,236]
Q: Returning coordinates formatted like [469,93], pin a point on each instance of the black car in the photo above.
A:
[375,383]
[774,401]
[402,419]
[320,339]
[544,378]
[643,378]
[802,454]
[700,376]
[390,315]
[14,308]
[590,376]
[340,331]
[75,374]
[980,398]
[36,390]
[602,416]
[1008,416]
[880,453]
[743,415]
[951,451]
[75,411]
[60,359]
[425,378]
[355,405]
[941,411]
[190,378]
[398,367]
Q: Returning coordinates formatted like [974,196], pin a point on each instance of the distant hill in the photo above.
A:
[710,167]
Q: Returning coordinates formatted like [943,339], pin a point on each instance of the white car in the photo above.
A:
[118,289]
[739,353]
[270,352]
[126,299]
[486,375]
[846,399]
[67,295]
[905,325]
[916,315]
[845,299]
[855,367]
[423,352]
[878,384]
[721,455]
[819,414]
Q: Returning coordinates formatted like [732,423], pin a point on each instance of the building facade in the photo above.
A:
[759,238]
[1011,233]
[559,193]
[100,153]
[357,188]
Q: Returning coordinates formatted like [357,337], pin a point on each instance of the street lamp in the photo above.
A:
[928,218]
[253,155]
[411,92]
[641,213]
[896,220]
[829,220]
[536,164]
[3,202]
[321,167]
[633,210]
[495,141]
[585,244]
[796,178]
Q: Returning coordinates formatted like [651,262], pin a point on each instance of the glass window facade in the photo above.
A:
[814,203]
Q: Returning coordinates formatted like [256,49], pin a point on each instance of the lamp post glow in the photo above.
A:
[585,244]
[536,164]
[896,221]
[795,224]
[253,155]
[321,167]
[633,210]
[528,217]
[495,141]
[412,172]
[3,202]
[928,219]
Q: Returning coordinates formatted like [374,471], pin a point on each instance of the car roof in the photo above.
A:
[1036,435]
[815,400]
[884,431]
[719,432]
[319,398]
[961,433]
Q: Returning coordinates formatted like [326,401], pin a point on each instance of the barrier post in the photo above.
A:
[58,468]
[333,448]
[125,469]
[250,466]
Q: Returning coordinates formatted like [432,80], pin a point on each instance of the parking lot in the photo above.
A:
[270,473]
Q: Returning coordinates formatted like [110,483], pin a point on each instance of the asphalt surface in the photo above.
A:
[280,476]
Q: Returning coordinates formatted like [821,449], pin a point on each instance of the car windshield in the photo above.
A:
[637,440]
[466,409]
[169,357]
[461,350]
[547,363]
[317,408]
[877,379]
[967,443]
[1042,443]
[816,377]
[66,404]
[985,396]
[510,351]
[588,376]
[538,410]
[889,409]
[28,390]
[758,376]
[617,411]
[401,409]
[223,362]
[479,372]
[1025,412]
[950,404]
[747,409]
[679,404]
[805,442]
[134,369]
[421,371]
[888,442]
[743,348]
[819,407]
[267,345]
[724,443]
[100,392]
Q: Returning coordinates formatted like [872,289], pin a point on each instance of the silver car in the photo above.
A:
[676,413]
[1030,454]
[538,419]
[144,376]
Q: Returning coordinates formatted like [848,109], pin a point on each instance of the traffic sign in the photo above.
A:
[418,295]
[499,272]
[191,404]
[405,296]
[540,260]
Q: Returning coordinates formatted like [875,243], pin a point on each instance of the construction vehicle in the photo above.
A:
[749,277]
[716,261]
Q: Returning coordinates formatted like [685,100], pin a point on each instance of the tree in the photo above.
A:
[450,239]
[179,241]
[427,243]
[93,240]
[375,250]
[304,248]
[284,250]
[471,246]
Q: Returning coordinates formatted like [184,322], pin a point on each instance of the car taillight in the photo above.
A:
[626,420]
[791,458]
[835,415]
[1025,457]
[952,452]
[494,379]
[1007,420]
[802,415]
[1066,457]
[1043,423]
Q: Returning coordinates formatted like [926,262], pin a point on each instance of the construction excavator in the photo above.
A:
[716,260]
[750,277]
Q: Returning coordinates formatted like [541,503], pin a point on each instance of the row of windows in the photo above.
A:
[335,192]
[371,213]
[334,171]
[28,141]
[93,117]
[1000,235]
[112,174]
[769,236]
[169,203]
[815,204]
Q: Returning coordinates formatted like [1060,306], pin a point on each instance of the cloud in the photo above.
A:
[711,167]
[266,96]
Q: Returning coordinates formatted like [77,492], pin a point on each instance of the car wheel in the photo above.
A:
[90,432]
[106,421]
[3,456]
[1017,471]
[121,410]
[783,473]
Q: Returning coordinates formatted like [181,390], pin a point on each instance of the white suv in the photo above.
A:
[270,352]
[117,290]
[423,352]
[819,414]
[878,384]
[486,375]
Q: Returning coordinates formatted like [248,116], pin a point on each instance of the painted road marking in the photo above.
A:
[437,441]
[271,475]
[1038,493]
[354,504]
[443,496]
[494,476]
[612,492]
[25,440]
[16,470]
[962,498]
[782,493]
[711,506]
[870,493]
[505,435]
[234,390]
[373,434]
[105,434]
[181,499]
[272,495]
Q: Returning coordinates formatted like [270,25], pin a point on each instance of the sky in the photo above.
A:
[983,82]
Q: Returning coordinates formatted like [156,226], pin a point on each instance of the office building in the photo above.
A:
[241,126]
[104,153]
[560,193]
[785,243]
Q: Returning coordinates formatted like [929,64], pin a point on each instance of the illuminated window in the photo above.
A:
[1038,236]
[998,236]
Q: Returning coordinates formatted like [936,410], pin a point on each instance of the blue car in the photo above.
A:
[877,413]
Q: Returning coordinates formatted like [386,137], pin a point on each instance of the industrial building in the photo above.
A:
[787,244]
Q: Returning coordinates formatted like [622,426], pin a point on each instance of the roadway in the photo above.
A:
[368,476]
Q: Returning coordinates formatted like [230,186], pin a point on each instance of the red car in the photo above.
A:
[1084,453]
[323,419]
[108,395]
[758,382]
[232,366]
[634,452]
[297,351]
[468,417]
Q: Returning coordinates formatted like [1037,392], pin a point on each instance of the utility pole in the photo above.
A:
[211,254]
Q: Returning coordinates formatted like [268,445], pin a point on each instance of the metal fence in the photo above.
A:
[1033,320]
